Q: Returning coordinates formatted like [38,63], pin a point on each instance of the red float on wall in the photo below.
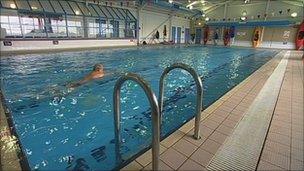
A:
[206,34]
[300,37]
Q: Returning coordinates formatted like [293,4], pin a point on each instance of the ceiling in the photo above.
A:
[208,5]
[197,7]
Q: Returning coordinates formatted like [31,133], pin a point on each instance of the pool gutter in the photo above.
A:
[12,156]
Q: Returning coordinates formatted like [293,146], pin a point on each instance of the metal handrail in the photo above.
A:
[154,114]
[199,97]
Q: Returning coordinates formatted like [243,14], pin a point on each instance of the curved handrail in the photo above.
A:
[154,114]
[199,97]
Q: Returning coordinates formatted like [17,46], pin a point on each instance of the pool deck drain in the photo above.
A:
[283,147]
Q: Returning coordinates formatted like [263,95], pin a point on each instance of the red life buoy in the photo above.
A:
[226,37]
[300,37]
[206,34]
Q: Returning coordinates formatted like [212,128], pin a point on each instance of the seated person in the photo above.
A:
[97,73]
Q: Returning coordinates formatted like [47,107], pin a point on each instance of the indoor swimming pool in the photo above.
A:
[59,128]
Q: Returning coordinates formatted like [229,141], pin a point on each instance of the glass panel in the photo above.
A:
[106,12]
[66,7]
[114,28]
[8,4]
[93,27]
[75,27]
[101,14]
[33,27]
[122,29]
[112,12]
[23,5]
[4,19]
[103,28]
[121,14]
[92,11]
[47,6]
[85,10]
[56,6]
[130,30]
[75,8]
[35,5]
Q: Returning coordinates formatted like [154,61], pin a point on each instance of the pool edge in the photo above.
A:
[12,158]
[168,142]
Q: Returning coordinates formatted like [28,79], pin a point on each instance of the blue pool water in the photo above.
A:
[61,129]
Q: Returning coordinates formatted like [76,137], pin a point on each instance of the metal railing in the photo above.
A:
[154,114]
[199,95]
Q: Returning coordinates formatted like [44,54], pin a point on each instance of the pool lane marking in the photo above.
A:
[241,151]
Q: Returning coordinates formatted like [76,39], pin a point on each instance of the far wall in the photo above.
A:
[273,36]
[150,20]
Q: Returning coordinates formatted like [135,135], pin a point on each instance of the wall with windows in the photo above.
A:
[34,24]
[64,19]
[46,20]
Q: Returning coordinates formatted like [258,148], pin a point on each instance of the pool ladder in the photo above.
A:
[156,107]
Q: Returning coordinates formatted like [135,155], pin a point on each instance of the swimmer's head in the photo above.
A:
[98,67]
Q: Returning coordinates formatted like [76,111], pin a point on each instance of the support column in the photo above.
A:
[137,25]
[85,28]
[265,18]
[170,28]
[225,17]
[66,25]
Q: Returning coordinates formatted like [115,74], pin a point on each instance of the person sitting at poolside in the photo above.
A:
[97,73]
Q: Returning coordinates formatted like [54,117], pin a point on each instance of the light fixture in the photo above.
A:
[170,1]
[243,18]
[294,14]
[244,13]
[199,23]
[203,15]
[207,19]
[13,6]
[34,8]
[77,12]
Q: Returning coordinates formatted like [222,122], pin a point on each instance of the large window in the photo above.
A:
[103,28]
[93,28]
[130,31]
[33,27]
[114,28]
[57,27]
[75,27]
[64,19]
[11,26]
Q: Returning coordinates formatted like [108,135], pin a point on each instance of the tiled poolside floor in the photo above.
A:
[283,148]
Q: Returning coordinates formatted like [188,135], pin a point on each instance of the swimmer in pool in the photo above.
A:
[97,73]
